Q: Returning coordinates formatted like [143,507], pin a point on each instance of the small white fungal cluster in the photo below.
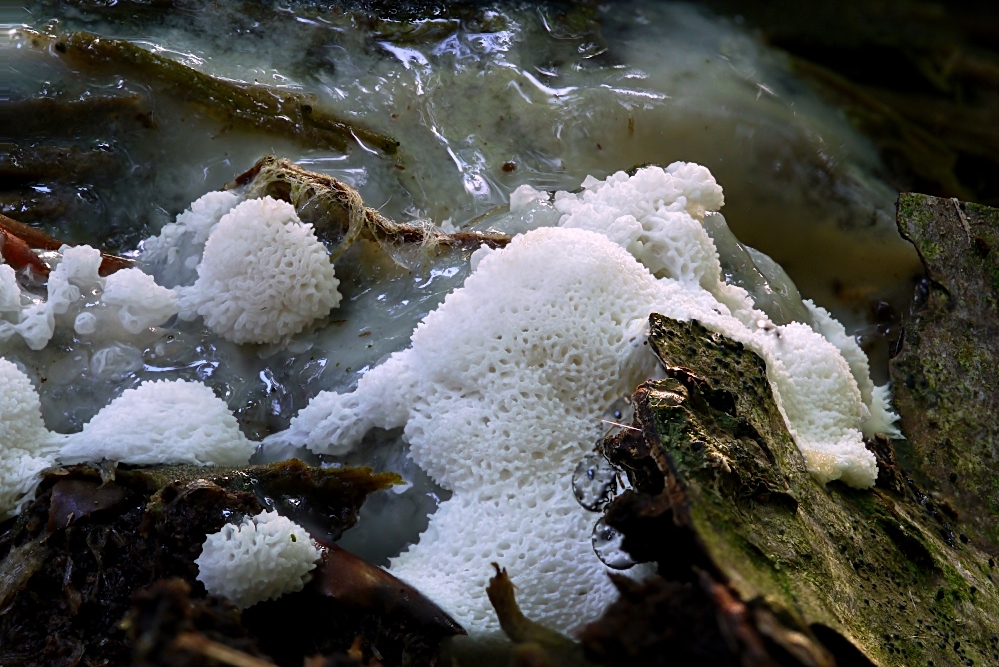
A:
[156,422]
[504,385]
[164,421]
[127,302]
[261,558]
[263,277]
[26,446]
[174,254]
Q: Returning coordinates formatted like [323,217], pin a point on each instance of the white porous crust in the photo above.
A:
[657,216]
[262,558]
[264,275]
[165,421]
[141,303]
[26,446]
[505,383]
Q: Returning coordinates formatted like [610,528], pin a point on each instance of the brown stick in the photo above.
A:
[19,234]
[196,642]
[17,253]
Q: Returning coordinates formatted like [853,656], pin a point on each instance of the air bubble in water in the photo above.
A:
[593,482]
[607,544]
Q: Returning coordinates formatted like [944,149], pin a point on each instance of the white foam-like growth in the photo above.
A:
[539,533]
[10,293]
[821,404]
[657,216]
[75,274]
[501,392]
[261,558]
[127,302]
[26,446]
[505,384]
[877,400]
[264,275]
[174,254]
[165,421]
[140,302]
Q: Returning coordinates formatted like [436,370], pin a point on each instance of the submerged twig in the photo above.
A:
[26,164]
[65,116]
[19,239]
[292,114]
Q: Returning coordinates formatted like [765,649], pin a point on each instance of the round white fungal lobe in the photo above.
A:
[85,324]
[26,446]
[174,253]
[261,558]
[165,421]
[140,302]
[10,293]
[264,275]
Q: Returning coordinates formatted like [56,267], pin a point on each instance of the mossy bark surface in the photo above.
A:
[944,378]
[829,574]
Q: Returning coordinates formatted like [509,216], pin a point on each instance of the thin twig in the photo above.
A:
[197,643]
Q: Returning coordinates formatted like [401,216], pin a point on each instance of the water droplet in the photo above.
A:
[593,482]
[620,411]
[607,543]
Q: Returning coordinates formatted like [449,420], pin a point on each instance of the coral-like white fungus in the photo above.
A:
[140,302]
[505,383]
[26,446]
[174,254]
[129,296]
[262,558]
[165,421]
[263,277]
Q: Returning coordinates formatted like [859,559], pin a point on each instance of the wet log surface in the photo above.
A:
[817,575]
[944,377]
[822,575]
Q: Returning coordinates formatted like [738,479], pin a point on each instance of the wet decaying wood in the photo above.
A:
[944,376]
[294,115]
[60,116]
[99,569]
[799,573]
[22,165]
[339,215]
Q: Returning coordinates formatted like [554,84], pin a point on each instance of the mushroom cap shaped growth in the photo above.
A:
[165,421]
[261,558]
[264,275]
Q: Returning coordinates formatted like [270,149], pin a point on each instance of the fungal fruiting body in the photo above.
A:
[26,446]
[504,385]
[164,421]
[263,276]
[125,303]
[261,558]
